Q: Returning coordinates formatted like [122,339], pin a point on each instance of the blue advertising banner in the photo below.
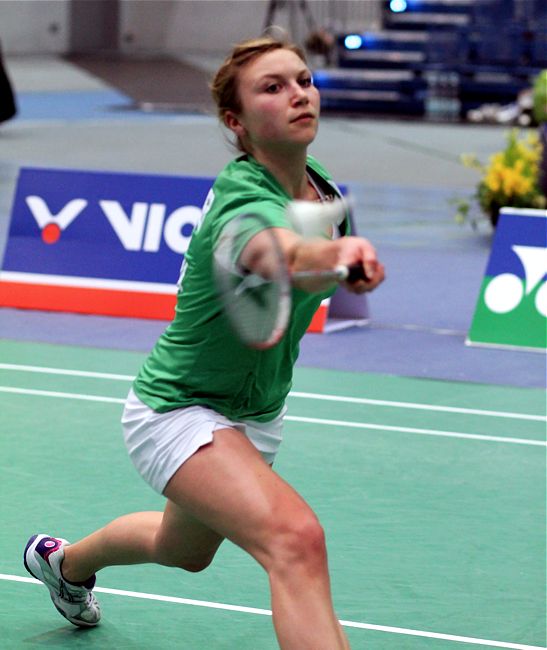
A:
[103,225]
[109,243]
[99,242]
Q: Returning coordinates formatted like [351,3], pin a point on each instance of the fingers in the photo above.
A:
[356,250]
[375,275]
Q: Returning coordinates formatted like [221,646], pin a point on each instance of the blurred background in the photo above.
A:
[440,533]
[407,87]
[439,58]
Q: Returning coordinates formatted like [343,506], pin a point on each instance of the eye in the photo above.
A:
[272,88]
[306,82]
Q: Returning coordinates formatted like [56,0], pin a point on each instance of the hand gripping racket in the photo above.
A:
[258,302]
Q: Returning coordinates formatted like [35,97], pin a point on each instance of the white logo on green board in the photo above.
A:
[505,292]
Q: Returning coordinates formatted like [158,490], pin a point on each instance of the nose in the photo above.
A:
[299,94]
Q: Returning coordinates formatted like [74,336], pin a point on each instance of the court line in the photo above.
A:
[267,612]
[63,371]
[421,407]
[297,394]
[425,432]
[295,418]
[53,393]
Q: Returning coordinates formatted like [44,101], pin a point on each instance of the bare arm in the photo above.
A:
[315,255]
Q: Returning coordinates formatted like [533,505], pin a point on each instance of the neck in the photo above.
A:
[288,168]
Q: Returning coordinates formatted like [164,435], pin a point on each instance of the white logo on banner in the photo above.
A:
[140,230]
[506,291]
[53,224]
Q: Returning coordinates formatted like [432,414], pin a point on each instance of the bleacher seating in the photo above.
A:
[489,50]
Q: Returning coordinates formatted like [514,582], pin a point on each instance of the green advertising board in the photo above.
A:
[511,308]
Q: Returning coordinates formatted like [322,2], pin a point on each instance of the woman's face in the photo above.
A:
[280,104]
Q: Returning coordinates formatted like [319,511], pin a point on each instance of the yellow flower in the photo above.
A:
[497,159]
[530,155]
[523,185]
[492,180]
[511,176]
[514,184]
[509,182]
[526,186]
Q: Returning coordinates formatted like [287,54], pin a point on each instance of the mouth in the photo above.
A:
[303,117]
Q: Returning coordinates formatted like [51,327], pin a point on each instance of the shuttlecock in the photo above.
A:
[312,219]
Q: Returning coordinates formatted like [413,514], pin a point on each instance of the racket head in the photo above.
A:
[256,302]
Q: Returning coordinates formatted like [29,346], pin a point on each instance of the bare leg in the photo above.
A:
[227,490]
[229,487]
[171,538]
[126,540]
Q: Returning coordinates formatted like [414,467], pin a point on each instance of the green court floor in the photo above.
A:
[432,495]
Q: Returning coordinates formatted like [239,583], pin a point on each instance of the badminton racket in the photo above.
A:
[258,300]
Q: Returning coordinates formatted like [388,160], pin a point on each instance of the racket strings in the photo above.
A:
[257,303]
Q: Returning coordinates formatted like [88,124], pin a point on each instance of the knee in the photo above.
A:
[194,565]
[299,545]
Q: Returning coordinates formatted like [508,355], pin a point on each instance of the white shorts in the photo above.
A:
[159,443]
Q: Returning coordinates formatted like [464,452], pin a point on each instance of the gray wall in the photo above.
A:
[149,27]
[34,26]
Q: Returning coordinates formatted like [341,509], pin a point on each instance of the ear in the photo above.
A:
[233,122]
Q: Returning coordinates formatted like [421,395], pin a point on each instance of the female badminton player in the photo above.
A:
[203,420]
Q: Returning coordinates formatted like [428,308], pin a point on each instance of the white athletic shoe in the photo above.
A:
[43,558]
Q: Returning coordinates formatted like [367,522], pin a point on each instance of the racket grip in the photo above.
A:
[356,272]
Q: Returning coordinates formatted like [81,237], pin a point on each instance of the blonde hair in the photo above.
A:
[224,86]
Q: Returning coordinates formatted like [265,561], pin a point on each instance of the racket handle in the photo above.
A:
[340,273]
[356,272]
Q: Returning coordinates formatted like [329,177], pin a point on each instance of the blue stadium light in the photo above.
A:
[353,42]
[398,6]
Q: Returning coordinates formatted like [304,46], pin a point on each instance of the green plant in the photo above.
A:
[510,178]
[540,97]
